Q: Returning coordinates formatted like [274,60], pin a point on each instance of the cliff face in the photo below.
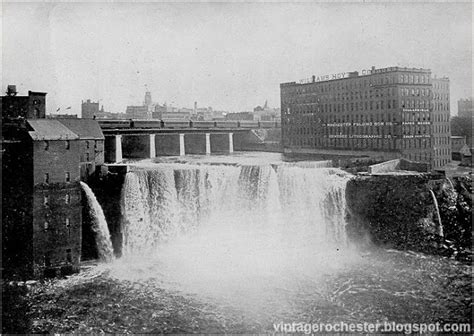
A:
[400,212]
[393,211]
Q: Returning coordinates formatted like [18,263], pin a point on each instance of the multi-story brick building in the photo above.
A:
[41,199]
[15,107]
[383,113]
[41,193]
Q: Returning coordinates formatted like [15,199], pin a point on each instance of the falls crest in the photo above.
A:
[283,205]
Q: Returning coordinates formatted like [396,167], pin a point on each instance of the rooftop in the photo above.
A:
[355,74]
[48,129]
[84,128]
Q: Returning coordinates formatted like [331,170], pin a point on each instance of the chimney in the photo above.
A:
[11,90]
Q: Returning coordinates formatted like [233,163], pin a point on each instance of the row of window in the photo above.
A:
[355,83]
[346,107]
[441,85]
[343,143]
[344,96]
[442,140]
[47,258]
[415,92]
[420,157]
[440,117]
[67,144]
[67,224]
[441,162]
[362,118]
[366,106]
[441,128]
[67,177]
[443,151]
[417,129]
[67,199]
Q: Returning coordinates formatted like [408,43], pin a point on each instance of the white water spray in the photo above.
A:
[238,232]
[99,226]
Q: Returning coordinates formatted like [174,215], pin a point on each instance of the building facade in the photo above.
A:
[41,200]
[91,144]
[465,108]
[387,113]
[42,163]
[16,107]
[89,109]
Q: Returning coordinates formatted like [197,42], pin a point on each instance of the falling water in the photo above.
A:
[99,226]
[230,225]
[175,199]
[438,216]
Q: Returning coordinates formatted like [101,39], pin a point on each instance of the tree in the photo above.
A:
[462,126]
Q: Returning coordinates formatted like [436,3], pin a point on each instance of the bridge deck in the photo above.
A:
[138,131]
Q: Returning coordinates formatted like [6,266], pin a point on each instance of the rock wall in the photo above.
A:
[393,211]
[107,188]
[398,211]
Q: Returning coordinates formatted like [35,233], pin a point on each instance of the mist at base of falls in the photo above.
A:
[241,233]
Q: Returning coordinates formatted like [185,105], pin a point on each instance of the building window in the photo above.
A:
[46,145]
[87,157]
[46,200]
[46,177]
[67,199]
[67,144]
[87,144]
[68,177]
[46,226]
[47,261]
[69,255]
[67,222]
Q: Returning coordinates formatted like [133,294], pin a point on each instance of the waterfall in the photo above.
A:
[99,226]
[281,206]
[438,216]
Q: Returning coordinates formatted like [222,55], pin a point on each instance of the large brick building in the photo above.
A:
[41,192]
[383,113]
[41,199]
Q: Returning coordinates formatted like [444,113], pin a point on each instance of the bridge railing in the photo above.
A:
[182,124]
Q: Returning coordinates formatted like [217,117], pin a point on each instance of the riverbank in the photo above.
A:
[387,285]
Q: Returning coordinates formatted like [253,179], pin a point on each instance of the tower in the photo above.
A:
[147,101]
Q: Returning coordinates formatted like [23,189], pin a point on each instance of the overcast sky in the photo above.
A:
[228,56]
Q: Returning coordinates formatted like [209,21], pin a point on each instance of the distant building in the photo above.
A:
[144,111]
[388,113]
[465,108]
[266,113]
[16,107]
[239,116]
[137,112]
[457,143]
[89,109]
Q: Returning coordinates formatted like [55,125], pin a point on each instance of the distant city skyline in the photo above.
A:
[229,56]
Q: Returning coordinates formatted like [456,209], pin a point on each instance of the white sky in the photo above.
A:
[228,56]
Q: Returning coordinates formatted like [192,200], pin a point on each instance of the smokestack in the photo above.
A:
[11,90]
